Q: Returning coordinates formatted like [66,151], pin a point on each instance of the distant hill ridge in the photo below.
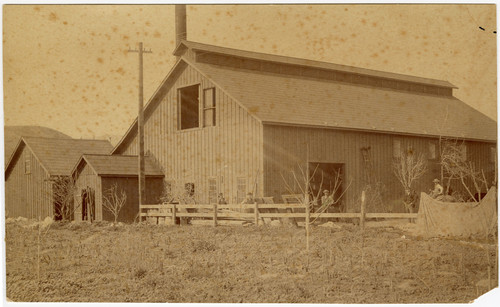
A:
[12,134]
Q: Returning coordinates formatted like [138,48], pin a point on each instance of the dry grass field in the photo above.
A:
[98,262]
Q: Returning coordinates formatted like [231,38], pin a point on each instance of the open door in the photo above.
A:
[88,204]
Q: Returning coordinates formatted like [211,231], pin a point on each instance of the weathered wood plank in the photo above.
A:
[392,215]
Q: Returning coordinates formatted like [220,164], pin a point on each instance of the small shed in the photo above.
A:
[95,175]
[33,168]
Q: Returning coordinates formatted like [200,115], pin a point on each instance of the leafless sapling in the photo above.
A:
[114,200]
[408,167]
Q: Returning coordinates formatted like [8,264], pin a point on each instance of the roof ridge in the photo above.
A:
[114,155]
[63,139]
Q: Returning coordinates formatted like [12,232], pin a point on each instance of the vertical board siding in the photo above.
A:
[130,186]
[28,195]
[233,148]
[286,147]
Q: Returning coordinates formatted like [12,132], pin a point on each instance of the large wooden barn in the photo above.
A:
[96,176]
[32,167]
[231,121]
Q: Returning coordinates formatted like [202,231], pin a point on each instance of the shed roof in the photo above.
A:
[119,165]
[58,156]
[286,99]
[305,62]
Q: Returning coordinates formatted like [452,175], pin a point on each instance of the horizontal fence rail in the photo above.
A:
[253,212]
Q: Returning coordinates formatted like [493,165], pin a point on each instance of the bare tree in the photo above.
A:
[408,167]
[307,198]
[63,189]
[455,166]
[114,200]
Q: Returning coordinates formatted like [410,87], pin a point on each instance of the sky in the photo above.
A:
[67,67]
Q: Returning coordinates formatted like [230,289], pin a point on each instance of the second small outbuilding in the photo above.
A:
[96,175]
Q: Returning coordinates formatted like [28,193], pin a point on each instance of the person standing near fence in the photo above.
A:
[221,200]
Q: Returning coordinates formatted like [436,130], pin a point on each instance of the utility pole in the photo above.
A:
[140,127]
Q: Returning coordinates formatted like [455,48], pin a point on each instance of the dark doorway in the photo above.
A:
[327,176]
[88,204]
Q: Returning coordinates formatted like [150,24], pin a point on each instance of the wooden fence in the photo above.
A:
[254,212]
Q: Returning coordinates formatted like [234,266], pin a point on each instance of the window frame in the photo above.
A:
[435,145]
[238,185]
[192,191]
[463,152]
[396,154]
[27,164]
[212,182]
[179,107]
[493,154]
[206,108]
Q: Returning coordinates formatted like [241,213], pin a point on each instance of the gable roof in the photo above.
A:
[118,165]
[58,156]
[12,134]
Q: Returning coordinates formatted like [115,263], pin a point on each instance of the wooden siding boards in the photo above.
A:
[130,186]
[285,148]
[231,149]
[28,195]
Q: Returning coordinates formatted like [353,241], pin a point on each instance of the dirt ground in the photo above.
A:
[80,262]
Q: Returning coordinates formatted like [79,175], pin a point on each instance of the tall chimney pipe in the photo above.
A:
[180,23]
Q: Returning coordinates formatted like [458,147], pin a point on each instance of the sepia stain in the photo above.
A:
[53,16]
[100,60]
[253,110]
[121,71]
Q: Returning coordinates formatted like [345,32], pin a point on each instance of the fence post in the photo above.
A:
[215,215]
[256,211]
[174,217]
[308,218]
[363,209]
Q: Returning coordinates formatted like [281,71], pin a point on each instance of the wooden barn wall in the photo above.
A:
[28,195]
[130,186]
[285,147]
[86,177]
[231,149]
